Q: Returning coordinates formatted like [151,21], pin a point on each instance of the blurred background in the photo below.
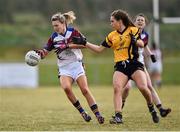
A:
[26,25]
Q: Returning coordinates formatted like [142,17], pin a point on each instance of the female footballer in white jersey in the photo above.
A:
[140,22]
[155,69]
[70,62]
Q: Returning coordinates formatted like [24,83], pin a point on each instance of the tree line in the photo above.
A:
[87,11]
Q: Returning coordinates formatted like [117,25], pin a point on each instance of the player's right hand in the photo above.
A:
[41,52]
[153,58]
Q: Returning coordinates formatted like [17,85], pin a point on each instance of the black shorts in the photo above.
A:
[128,67]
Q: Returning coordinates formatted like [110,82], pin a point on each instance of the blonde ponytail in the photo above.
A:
[67,17]
[70,17]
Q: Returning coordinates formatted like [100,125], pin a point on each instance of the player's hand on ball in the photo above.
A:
[41,52]
[32,58]
[79,40]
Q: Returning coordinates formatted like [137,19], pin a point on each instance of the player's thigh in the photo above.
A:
[139,77]
[119,80]
[82,81]
[83,85]
[66,82]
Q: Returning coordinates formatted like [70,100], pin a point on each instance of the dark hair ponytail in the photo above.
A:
[122,15]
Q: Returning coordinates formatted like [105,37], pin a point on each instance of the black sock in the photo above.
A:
[95,110]
[159,106]
[151,108]
[78,106]
[118,114]
[123,103]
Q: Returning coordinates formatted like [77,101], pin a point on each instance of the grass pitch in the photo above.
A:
[48,109]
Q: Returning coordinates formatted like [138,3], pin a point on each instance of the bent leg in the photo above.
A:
[119,82]
[83,85]
[163,111]
[140,78]
[66,84]
[154,94]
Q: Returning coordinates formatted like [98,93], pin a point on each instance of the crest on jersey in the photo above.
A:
[143,36]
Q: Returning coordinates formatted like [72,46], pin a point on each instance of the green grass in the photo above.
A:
[171,71]
[48,109]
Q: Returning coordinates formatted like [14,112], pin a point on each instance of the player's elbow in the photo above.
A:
[140,43]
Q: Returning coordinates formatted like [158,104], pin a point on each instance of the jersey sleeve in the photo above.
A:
[145,39]
[77,33]
[107,42]
[49,45]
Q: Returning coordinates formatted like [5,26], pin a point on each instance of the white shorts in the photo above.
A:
[155,67]
[73,70]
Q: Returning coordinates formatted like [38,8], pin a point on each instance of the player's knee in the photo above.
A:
[117,89]
[150,87]
[67,90]
[127,88]
[84,91]
[142,86]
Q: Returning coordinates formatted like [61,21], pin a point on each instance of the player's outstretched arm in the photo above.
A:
[42,52]
[149,53]
[95,48]
[147,50]
[76,46]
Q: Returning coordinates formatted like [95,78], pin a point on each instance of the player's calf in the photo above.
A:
[96,112]
[153,113]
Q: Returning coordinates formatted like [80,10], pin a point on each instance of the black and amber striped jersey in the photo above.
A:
[121,44]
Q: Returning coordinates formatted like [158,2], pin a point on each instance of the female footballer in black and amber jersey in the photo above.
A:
[124,42]
[141,21]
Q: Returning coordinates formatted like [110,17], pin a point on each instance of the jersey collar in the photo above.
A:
[122,31]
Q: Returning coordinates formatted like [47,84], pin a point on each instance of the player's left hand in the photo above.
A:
[61,48]
[153,58]
[79,40]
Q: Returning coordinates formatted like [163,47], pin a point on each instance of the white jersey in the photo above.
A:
[66,56]
[144,37]
[141,56]
[157,66]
